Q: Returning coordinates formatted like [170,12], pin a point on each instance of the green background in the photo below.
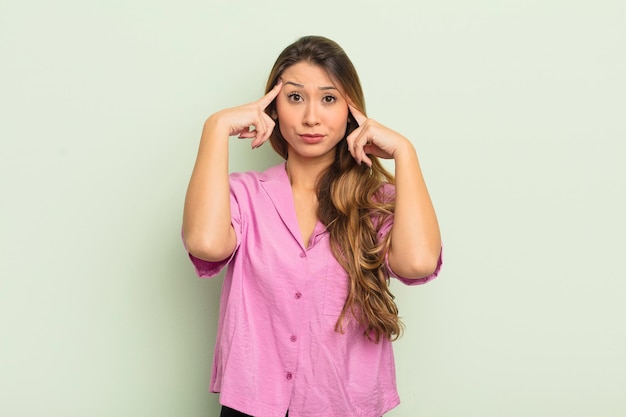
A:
[516,108]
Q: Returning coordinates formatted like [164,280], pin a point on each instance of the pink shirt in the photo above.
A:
[277,348]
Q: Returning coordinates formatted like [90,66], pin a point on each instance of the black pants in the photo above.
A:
[229,412]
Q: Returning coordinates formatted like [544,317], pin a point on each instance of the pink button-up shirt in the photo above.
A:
[277,348]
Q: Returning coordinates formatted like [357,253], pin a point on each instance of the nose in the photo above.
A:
[311,115]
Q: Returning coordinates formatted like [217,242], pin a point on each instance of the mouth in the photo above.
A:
[311,138]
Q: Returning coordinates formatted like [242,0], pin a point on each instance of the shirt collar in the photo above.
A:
[275,182]
[275,173]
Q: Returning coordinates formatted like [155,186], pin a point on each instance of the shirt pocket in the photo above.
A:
[335,290]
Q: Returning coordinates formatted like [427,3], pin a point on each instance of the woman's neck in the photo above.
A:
[304,173]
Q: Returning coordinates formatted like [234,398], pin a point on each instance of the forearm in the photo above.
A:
[207,226]
[415,237]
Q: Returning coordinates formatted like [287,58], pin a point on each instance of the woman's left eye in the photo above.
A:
[329,99]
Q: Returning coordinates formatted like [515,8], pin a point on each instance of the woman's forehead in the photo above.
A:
[310,76]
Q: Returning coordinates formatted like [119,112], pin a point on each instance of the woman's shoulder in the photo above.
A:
[272,173]
[386,193]
[252,181]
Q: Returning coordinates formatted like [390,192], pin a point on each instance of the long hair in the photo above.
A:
[352,204]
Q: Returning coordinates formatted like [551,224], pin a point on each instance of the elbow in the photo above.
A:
[423,269]
[429,268]
[208,248]
[417,267]
[432,262]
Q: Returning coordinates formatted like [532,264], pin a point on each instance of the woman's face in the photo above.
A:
[312,112]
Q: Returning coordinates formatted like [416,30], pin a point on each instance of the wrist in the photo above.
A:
[215,125]
[404,149]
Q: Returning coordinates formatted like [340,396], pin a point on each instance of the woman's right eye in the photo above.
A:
[295,97]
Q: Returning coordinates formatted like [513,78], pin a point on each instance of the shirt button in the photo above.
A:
[298,295]
[302,254]
[293,338]
[289,376]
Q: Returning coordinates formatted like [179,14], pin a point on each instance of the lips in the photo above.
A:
[311,138]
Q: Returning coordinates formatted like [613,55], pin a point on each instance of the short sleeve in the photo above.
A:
[207,269]
[388,193]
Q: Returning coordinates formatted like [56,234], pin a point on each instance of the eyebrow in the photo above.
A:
[302,86]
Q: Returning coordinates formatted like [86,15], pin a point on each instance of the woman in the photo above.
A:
[306,315]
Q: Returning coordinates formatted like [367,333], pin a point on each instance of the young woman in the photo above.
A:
[306,315]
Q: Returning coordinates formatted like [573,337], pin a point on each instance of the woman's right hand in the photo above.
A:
[250,120]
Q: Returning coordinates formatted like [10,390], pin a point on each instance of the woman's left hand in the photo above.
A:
[373,138]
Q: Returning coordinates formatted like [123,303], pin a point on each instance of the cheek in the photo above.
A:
[339,119]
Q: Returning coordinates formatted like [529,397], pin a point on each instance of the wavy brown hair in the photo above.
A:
[351,201]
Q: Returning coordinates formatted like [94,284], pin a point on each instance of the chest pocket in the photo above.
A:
[335,289]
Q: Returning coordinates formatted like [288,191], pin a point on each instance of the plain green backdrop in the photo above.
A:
[516,109]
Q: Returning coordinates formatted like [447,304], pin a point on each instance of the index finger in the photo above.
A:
[265,101]
[358,116]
